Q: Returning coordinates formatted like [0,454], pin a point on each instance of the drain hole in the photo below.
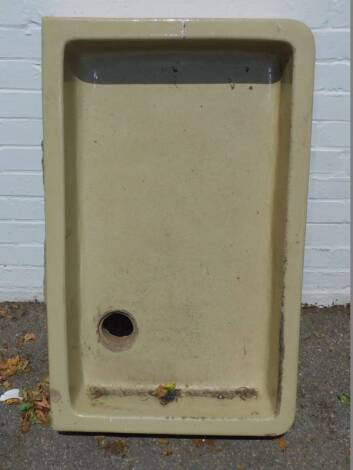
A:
[117,330]
[117,324]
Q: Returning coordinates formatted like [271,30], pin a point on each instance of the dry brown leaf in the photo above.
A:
[41,416]
[42,404]
[210,442]
[117,447]
[29,337]
[12,366]
[101,441]
[199,442]
[7,385]
[166,393]
[160,392]
[24,426]
[4,312]
[120,447]
[12,401]
[9,367]
[282,443]
[10,362]
[163,441]
[36,406]
[24,366]
[167,452]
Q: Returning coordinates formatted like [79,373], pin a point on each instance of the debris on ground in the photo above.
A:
[282,443]
[5,313]
[166,393]
[12,366]
[117,447]
[6,384]
[26,338]
[163,441]
[344,398]
[167,452]
[35,406]
[199,442]
[210,443]
[13,394]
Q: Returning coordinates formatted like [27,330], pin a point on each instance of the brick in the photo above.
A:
[19,74]
[329,235]
[22,232]
[331,162]
[11,276]
[338,14]
[330,134]
[20,158]
[21,255]
[21,294]
[331,258]
[21,185]
[323,298]
[321,187]
[333,106]
[20,42]
[329,279]
[331,44]
[21,104]
[313,13]
[15,208]
[332,76]
[328,211]
[21,131]
[17,12]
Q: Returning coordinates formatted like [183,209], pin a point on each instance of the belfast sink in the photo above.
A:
[176,168]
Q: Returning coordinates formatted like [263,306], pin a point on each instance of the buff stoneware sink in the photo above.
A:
[176,169]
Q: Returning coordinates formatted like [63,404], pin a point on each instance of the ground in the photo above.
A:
[319,438]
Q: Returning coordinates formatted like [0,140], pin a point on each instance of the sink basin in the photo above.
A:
[176,168]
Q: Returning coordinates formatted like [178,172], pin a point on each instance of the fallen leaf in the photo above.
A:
[170,386]
[24,426]
[12,401]
[10,362]
[167,452]
[4,312]
[117,447]
[12,366]
[199,442]
[164,441]
[166,393]
[101,441]
[160,392]
[282,443]
[42,404]
[344,398]
[25,339]
[35,408]
[210,442]
[41,416]
[29,337]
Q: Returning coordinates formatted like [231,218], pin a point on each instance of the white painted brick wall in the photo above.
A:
[326,277]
